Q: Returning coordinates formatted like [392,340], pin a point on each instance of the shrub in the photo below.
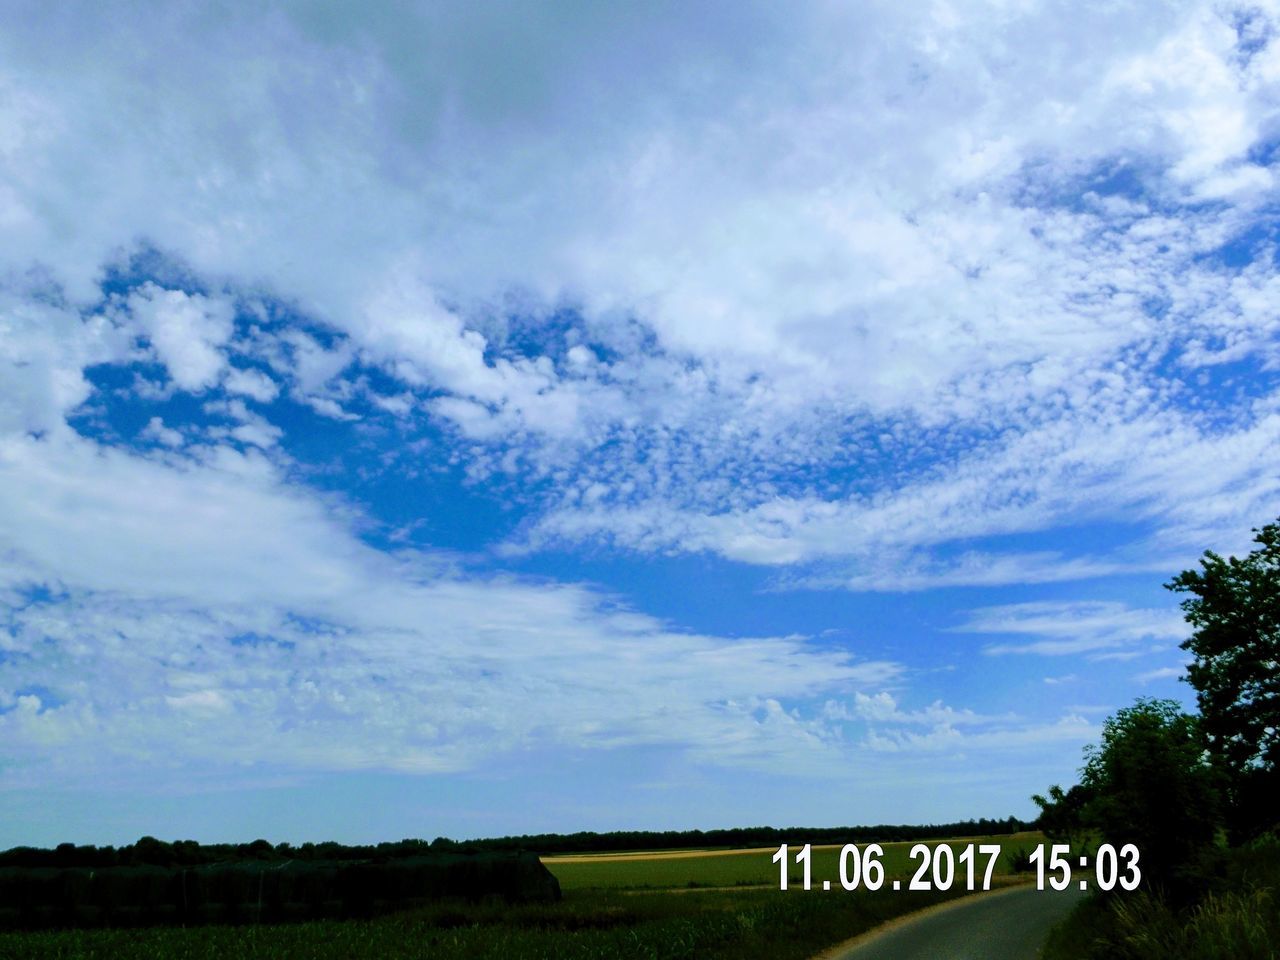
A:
[1020,860]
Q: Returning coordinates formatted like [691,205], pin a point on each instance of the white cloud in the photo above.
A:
[44,349]
[845,287]
[1161,673]
[939,729]
[251,383]
[812,244]
[883,708]
[157,431]
[973,569]
[211,614]
[1055,628]
[252,428]
[1023,738]
[187,331]
[1108,467]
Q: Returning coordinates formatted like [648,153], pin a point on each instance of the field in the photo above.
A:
[618,906]
[739,868]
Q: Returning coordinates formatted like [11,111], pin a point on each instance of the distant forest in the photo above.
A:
[183,853]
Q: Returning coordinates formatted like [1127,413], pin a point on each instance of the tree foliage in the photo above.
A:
[151,851]
[1147,783]
[1150,784]
[1062,813]
[1234,608]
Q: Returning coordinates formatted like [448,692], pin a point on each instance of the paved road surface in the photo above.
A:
[1005,925]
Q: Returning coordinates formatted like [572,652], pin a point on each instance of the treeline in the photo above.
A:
[149,851]
[735,837]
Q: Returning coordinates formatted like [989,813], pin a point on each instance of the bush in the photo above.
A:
[1146,783]
[1020,860]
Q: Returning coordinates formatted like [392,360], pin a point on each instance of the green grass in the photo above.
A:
[586,925]
[1236,925]
[1237,920]
[758,869]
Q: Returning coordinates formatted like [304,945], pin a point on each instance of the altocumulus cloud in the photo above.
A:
[204,613]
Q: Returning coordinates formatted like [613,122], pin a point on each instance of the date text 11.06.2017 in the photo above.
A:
[940,867]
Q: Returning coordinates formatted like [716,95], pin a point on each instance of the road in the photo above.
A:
[1005,925]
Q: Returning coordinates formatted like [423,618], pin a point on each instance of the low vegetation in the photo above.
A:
[1237,917]
[588,924]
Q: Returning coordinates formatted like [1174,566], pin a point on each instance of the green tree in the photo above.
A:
[1062,814]
[1234,608]
[1148,782]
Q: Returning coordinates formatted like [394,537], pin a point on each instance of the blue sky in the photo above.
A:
[558,417]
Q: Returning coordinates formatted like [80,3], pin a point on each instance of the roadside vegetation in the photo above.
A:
[1236,916]
[1197,793]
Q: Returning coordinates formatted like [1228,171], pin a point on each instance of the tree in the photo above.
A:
[1062,813]
[1147,783]
[1234,609]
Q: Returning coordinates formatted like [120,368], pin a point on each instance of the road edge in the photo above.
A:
[836,951]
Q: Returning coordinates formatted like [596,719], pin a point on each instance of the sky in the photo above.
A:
[480,419]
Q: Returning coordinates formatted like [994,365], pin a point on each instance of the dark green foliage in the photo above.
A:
[594,925]
[1020,860]
[189,853]
[1062,813]
[1158,776]
[1148,783]
[1234,609]
[249,891]
[1076,936]
[738,838]
[1236,918]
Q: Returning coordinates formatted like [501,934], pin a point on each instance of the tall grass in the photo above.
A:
[1241,925]
[1240,920]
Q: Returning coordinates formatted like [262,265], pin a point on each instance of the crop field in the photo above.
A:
[745,868]
[614,907]
[586,925]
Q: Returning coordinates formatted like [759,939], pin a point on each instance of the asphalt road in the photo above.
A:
[1006,925]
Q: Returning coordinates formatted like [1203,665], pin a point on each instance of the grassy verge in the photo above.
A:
[1238,918]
